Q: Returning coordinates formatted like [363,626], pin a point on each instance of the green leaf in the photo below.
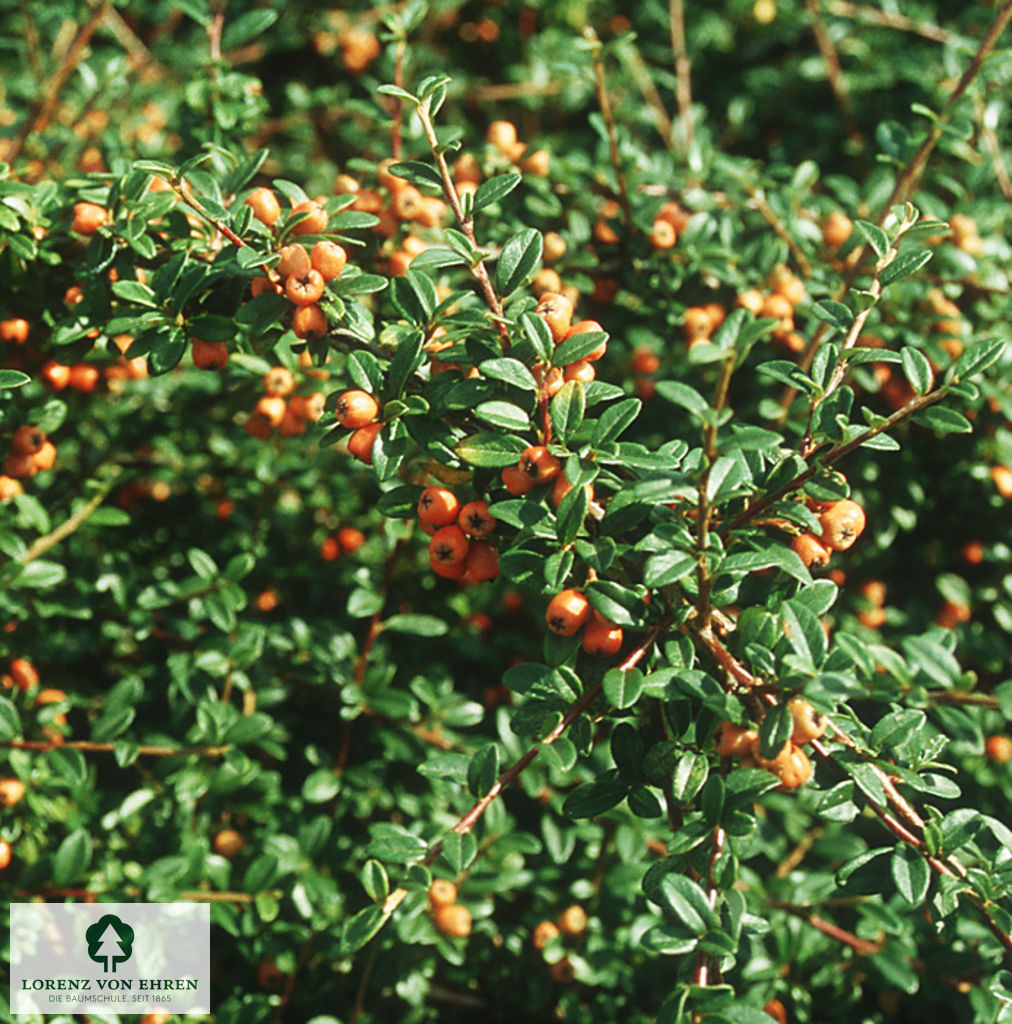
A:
[320,786]
[775,730]
[623,688]
[682,394]
[917,369]
[503,414]
[494,189]
[517,260]
[867,875]
[689,776]
[358,930]
[396,845]
[804,633]
[72,858]
[577,347]
[977,358]
[247,27]
[686,900]
[668,567]
[13,379]
[836,314]
[615,419]
[911,873]
[375,881]
[417,173]
[905,264]
[510,371]
[593,798]
[567,409]
[398,92]
[41,573]
[943,420]
[416,625]
[490,451]
[203,564]
[10,721]
[874,236]
[483,769]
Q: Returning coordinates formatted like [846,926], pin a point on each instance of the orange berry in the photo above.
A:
[502,135]
[775,1009]
[15,330]
[316,221]
[582,371]
[836,229]
[442,893]
[45,457]
[600,636]
[306,288]
[539,465]
[998,748]
[308,407]
[567,612]
[208,355]
[554,246]
[267,600]
[56,375]
[752,300]
[674,215]
[448,546]
[644,361]
[272,408]
[453,920]
[517,482]
[562,971]
[309,321]
[842,523]
[812,551]
[588,327]
[438,506]
[9,487]
[291,425]
[557,312]
[51,695]
[796,771]
[474,519]
[972,552]
[562,487]
[17,466]
[278,381]
[544,932]
[361,442]
[259,285]
[330,550]
[778,762]
[730,740]
[83,377]
[356,409]
[294,260]
[88,218]
[328,259]
[266,207]
[662,235]
[538,163]
[1002,477]
[482,562]
[573,920]
[6,853]
[23,673]
[697,323]
[229,843]
[27,440]
[11,792]
[350,539]
[809,724]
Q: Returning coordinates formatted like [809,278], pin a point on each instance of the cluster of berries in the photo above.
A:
[272,411]
[458,549]
[569,611]
[572,922]
[784,291]
[30,452]
[790,764]
[450,917]
[842,523]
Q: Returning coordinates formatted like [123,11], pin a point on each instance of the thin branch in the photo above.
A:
[863,947]
[764,208]
[90,746]
[609,123]
[990,140]
[834,73]
[402,45]
[905,183]
[645,83]
[862,12]
[31,41]
[39,118]
[42,544]
[683,70]
[759,505]
[471,818]
[479,270]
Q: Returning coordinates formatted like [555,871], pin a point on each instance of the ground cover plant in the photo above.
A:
[510,502]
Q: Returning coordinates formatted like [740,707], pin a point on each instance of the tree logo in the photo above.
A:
[110,942]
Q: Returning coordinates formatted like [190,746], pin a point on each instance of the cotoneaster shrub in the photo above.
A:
[514,516]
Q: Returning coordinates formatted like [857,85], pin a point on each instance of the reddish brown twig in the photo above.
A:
[834,72]
[683,70]
[604,103]
[91,746]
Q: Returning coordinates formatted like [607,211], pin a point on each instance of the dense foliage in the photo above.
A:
[560,449]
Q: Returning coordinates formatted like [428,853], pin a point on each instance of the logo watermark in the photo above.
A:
[122,957]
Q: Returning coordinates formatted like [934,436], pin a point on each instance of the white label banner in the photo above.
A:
[120,957]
